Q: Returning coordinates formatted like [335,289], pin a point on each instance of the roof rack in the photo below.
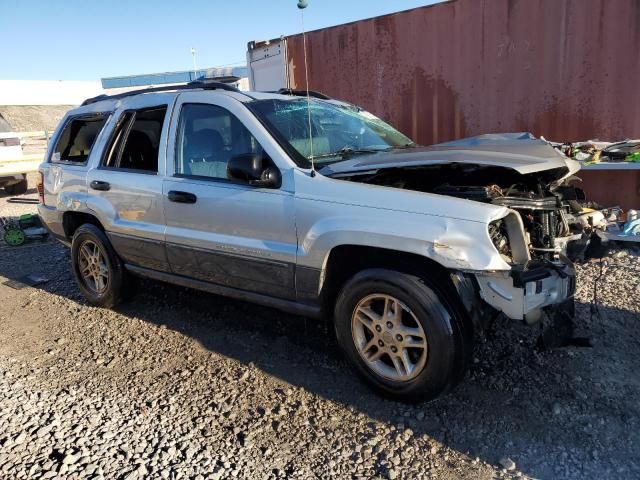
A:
[205,85]
[303,93]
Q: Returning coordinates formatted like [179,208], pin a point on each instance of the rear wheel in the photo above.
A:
[98,270]
[19,188]
[401,334]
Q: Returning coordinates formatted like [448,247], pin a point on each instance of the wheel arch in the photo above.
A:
[344,261]
[72,220]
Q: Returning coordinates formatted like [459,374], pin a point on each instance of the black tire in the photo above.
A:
[113,293]
[449,333]
[19,188]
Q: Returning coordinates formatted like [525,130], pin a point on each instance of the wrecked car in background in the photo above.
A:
[316,207]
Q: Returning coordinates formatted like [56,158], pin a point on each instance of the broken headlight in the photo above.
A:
[500,239]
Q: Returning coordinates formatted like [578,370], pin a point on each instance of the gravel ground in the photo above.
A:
[182,384]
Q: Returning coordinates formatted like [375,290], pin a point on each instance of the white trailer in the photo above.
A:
[268,65]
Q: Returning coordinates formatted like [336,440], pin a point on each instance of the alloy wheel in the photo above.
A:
[389,337]
[93,268]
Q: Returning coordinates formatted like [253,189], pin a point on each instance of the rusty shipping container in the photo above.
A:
[564,69]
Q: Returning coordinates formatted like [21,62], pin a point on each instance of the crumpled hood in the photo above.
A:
[521,152]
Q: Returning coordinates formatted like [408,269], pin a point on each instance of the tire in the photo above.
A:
[91,242]
[19,188]
[447,336]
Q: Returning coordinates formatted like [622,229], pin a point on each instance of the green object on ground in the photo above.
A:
[14,237]
[633,157]
[27,220]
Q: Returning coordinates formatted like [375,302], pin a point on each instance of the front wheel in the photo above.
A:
[401,334]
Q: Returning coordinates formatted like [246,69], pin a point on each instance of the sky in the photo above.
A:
[91,39]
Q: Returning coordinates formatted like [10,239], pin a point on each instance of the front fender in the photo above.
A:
[453,232]
[453,243]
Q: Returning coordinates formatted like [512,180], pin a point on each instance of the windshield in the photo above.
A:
[337,131]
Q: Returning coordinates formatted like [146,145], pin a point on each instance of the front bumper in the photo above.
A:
[524,293]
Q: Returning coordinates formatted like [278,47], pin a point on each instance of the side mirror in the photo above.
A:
[250,168]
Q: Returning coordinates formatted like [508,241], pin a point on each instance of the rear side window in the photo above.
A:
[77,138]
[135,143]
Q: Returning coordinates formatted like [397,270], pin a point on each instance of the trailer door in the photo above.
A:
[268,67]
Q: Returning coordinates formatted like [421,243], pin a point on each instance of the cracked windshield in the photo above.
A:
[337,130]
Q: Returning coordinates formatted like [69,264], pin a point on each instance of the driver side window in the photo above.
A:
[208,136]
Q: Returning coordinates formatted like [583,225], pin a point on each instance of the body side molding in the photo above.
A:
[288,306]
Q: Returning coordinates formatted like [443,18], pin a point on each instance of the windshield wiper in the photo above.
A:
[346,152]
[406,145]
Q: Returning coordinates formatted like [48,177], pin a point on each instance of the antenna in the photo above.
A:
[302,4]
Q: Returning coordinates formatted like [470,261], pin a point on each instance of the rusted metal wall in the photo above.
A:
[612,187]
[564,69]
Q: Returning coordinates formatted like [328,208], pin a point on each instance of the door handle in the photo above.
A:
[182,197]
[99,185]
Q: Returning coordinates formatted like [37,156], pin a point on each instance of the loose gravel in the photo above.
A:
[182,384]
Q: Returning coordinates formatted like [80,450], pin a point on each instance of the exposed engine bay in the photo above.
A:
[553,218]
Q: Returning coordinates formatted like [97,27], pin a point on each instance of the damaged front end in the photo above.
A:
[536,281]
[542,233]
[527,290]
[551,217]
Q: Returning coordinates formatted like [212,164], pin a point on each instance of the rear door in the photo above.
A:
[125,188]
[220,231]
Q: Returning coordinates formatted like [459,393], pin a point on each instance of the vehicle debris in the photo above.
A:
[596,151]
[624,228]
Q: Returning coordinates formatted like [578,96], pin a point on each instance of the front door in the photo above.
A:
[218,230]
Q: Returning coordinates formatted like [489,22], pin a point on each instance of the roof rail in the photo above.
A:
[205,85]
[303,93]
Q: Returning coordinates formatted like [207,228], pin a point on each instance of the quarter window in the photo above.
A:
[77,138]
[135,143]
[208,136]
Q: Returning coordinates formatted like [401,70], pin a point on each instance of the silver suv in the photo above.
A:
[316,207]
